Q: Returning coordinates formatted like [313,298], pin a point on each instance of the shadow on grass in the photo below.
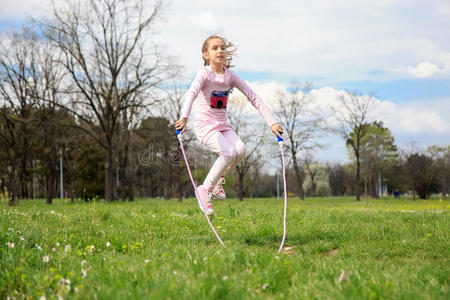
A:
[291,239]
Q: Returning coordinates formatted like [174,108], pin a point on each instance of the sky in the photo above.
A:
[397,49]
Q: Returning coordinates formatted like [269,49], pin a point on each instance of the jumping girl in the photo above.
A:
[211,89]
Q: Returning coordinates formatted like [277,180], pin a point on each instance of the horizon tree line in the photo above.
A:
[89,86]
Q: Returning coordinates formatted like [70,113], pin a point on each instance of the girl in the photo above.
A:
[211,89]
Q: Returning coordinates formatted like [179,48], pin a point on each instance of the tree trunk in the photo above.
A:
[358,176]
[130,188]
[241,186]
[300,177]
[13,200]
[49,188]
[109,175]
[365,186]
[72,189]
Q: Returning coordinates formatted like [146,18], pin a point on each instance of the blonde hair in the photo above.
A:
[229,53]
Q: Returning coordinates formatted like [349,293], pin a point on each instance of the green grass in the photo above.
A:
[336,248]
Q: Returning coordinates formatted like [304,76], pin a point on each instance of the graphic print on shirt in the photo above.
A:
[219,99]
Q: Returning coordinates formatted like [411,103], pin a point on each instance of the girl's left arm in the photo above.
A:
[253,98]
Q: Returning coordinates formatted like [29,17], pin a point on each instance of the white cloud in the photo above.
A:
[204,21]
[424,69]
[442,7]
[10,10]
[407,119]
[325,40]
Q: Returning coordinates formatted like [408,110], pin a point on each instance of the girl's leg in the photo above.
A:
[238,146]
[227,154]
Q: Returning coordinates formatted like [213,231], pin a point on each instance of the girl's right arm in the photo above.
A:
[191,95]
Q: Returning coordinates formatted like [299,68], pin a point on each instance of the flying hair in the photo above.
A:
[230,50]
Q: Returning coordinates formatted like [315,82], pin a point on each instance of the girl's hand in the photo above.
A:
[277,129]
[181,124]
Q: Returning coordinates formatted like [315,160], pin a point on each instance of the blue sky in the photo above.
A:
[399,49]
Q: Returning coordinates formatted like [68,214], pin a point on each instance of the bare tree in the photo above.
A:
[18,69]
[312,172]
[170,107]
[352,115]
[112,66]
[253,139]
[302,126]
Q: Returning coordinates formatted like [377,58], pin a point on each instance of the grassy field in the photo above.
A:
[335,248]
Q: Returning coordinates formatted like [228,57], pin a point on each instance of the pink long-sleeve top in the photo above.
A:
[209,120]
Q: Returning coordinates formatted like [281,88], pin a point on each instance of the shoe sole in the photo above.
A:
[218,197]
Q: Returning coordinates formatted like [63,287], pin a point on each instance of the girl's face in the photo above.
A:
[216,52]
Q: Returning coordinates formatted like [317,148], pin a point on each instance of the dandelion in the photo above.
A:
[46,259]
[10,245]
[108,244]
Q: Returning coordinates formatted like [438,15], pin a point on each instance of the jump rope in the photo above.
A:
[280,143]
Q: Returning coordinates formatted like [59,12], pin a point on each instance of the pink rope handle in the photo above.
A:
[285,198]
[195,188]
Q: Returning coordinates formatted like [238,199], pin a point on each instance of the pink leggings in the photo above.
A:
[231,152]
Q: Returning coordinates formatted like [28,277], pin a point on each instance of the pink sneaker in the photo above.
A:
[218,193]
[204,200]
